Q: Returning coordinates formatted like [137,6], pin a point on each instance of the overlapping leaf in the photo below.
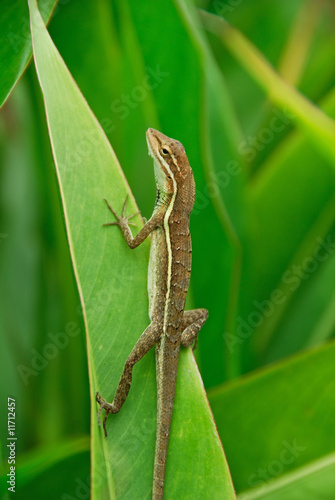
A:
[111,281]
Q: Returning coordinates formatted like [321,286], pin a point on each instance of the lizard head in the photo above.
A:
[170,162]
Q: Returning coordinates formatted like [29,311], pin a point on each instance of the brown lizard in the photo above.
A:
[168,282]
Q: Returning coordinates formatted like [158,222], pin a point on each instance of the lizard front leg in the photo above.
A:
[147,340]
[191,324]
[123,222]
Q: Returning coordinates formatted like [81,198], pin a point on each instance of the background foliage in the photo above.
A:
[262,228]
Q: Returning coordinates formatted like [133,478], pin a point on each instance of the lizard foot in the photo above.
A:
[123,219]
[104,405]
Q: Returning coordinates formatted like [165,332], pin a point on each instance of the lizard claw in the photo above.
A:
[124,206]
[120,219]
[111,209]
[104,405]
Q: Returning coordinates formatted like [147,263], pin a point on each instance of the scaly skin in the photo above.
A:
[168,282]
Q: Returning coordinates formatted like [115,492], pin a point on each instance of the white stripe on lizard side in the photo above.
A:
[168,241]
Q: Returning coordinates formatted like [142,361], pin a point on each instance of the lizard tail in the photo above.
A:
[166,372]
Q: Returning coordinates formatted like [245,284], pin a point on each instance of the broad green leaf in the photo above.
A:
[224,176]
[111,280]
[297,39]
[268,26]
[33,464]
[205,122]
[314,480]
[296,51]
[278,419]
[281,218]
[319,127]
[39,469]
[100,41]
[314,293]
[17,260]
[15,41]
[37,287]
[318,76]
[202,94]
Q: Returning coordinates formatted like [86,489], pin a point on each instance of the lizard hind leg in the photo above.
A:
[192,323]
[147,340]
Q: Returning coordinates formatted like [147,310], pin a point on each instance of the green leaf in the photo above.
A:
[224,180]
[39,297]
[279,213]
[278,419]
[37,469]
[319,127]
[33,464]
[289,328]
[15,41]
[112,284]
[316,479]
[205,123]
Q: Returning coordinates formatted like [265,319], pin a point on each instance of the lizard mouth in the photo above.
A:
[152,140]
[156,139]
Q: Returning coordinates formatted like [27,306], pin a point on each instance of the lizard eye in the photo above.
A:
[165,152]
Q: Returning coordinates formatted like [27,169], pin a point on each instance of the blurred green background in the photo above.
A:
[262,229]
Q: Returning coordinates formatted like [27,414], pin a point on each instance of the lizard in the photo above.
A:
[168,282]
